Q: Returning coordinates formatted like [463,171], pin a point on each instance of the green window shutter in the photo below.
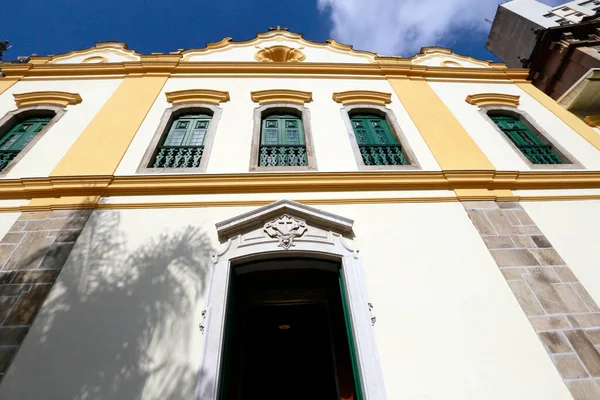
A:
[377,143]
[183,146]
[18,137]
[528,143]
[351,341]
[282,141]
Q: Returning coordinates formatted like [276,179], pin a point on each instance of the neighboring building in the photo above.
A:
[559,45]
[518,23]
[188,226]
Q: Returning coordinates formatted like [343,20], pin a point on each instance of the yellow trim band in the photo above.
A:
[108,185]
[215,97]
[101,146]
[362,96]
[492,99]
[61,99]
[281,96]
[450,143]
[568,118]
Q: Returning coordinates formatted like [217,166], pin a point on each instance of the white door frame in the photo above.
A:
[313,234]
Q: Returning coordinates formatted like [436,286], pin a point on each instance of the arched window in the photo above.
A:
[183,145]
[533,147]
[282,142]
[376,142]
[19,136]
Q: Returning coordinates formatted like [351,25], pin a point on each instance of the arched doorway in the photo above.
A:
[286,333]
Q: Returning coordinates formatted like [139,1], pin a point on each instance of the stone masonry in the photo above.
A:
[560,310]
[32,254]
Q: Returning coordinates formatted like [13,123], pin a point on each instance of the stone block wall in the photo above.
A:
[32,254]
[560,310]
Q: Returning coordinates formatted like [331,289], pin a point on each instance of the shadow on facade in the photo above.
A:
[121,320]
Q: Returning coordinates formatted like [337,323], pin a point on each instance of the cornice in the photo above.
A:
[171,64]
[215,97]
[281,96]
[61,99]
[27,188]
[361,97]
[492,99]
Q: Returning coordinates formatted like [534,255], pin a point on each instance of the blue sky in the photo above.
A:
[391,27]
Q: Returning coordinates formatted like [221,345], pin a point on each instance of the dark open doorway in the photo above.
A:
[287,333]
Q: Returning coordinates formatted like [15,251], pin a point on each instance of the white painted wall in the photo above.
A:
[574,235]
[122,320]
[231,148]
[7,219]
[496,148]
[50,149]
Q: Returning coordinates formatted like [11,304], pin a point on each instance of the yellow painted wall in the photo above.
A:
[105,140]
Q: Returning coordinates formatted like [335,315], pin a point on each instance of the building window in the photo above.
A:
[377,144]
[20,129]
[532,146]
[282,142]
[585,2]
[183,146]
[183,140]
[377,141]
[282,139]
[549,15]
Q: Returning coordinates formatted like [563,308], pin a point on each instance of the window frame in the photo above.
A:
[284,108]
[569,161]
[395,130]
[14,117]
[163,129]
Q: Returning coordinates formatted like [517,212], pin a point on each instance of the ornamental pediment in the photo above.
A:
[279,46]
[442,57]
[102,52]
[286,222]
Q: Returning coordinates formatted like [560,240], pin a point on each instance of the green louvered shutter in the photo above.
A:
[377,144]
[18,137]
[529,144]
[282,142]
[183,146]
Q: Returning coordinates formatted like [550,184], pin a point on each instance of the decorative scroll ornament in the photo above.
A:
[286,228]
[279,53]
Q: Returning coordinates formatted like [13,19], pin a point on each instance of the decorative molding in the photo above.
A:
[593,120]
[279,53]
[285,228]
[169,64]
[95,59]
[281,96]
[43,191]
[61,99]
[362,97]
[283,208]
[493,99]
[214,97]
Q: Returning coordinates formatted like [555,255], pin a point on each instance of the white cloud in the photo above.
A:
[402,27]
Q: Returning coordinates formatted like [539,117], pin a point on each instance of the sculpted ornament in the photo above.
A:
[286,228]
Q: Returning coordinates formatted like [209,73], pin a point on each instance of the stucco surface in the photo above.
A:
[122,319]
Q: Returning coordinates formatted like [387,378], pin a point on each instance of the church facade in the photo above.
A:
[280,218]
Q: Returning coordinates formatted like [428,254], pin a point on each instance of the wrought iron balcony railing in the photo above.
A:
[540,154]
[178,157]
[389,154]
[282,156]
[6,156]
